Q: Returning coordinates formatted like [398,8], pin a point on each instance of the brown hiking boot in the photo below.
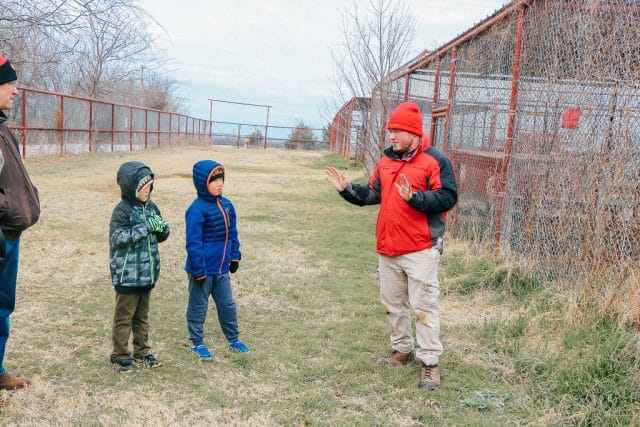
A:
[9,382]
[397,358]
[429,377]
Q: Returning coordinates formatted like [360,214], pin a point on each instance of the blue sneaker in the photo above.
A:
[239,347]
[202,351]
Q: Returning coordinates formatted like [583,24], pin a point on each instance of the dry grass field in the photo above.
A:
[308,308]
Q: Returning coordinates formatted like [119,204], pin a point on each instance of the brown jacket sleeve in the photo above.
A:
[19,200]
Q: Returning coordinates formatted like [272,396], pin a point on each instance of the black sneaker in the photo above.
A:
[123,366]
[149,360]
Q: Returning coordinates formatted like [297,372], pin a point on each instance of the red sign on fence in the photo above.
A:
[570,118]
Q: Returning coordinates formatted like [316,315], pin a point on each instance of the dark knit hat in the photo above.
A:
[217,172]
[406,117]
[7,72]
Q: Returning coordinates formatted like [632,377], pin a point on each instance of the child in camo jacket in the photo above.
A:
[135,230]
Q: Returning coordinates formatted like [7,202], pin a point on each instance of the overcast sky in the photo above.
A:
[276,52]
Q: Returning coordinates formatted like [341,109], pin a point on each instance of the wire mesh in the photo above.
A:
[349,130]
[542,126]
[580,59]
[247,135]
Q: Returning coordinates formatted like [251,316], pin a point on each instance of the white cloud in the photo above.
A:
[276,52]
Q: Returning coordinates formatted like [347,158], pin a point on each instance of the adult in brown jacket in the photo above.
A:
[19,209]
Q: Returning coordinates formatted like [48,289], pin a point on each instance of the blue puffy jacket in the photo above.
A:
[211,232]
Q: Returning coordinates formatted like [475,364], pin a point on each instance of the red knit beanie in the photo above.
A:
[7,72]
[406,117]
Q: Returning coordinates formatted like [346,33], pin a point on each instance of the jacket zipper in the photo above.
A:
[124,266]
[149,250]
[226,238]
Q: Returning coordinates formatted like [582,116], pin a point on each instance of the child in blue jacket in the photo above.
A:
[213,251]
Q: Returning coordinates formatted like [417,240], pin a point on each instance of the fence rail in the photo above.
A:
[51,123]
[538,107]
[243,135]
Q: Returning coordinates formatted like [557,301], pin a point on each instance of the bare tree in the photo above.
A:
[29,33]
[87,47]
[374,43]
[22,20]
[18,17]
[114,44]
[152,90]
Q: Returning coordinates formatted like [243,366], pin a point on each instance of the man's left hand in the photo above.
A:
[404,188]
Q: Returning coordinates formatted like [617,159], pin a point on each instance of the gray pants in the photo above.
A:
[409,283]
[131,316]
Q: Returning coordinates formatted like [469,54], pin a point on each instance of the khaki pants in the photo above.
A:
[410,283]
[131,316]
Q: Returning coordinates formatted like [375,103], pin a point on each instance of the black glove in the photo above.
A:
[200,280]
[3,247]
[3,250]
[233,267]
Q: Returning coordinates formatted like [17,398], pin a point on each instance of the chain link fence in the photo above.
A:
[348,130]
[51,123]
[538,107]
[252,135]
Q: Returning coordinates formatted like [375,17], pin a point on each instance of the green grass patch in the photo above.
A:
[308,308]
[473,273]
[600,385]
[332,159]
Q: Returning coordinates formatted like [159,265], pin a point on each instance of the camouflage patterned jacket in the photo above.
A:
[134,258]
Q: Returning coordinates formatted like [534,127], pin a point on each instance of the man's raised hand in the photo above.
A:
[336,178]
[404,188]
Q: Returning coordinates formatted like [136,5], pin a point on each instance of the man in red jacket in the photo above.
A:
[415,186]
[19,209]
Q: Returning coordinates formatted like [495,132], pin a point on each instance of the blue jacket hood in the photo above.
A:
[202,170]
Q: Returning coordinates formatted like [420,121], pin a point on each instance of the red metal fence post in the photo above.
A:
[338,146]
[452,82]
[113,125]
[60,124]
[90,124]
[130,128]
[513,103]
[349,129]
[146,128]
[406,87]
[436,88]
[24,123]
[332,135]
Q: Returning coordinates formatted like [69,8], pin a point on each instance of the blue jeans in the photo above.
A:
[8,281]
[219,287]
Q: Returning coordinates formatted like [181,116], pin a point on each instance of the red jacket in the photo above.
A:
[409,226]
